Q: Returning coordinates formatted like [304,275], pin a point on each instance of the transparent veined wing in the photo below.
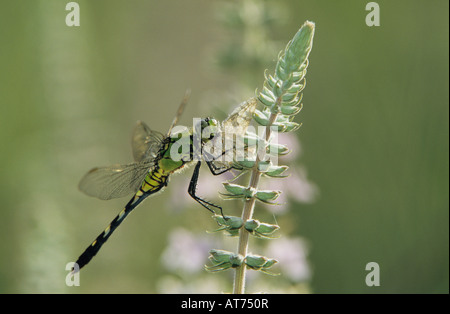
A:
[235,127]
[145,142]
[115,181]
[230,140]
[180,110]
[239,120]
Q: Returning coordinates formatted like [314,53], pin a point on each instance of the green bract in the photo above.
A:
[237,191]
[260,229]
[276,171]
[223,260]
[230,224]
[282,90]
[261,263]
[267,196]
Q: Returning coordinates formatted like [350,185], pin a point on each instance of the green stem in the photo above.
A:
[247,213]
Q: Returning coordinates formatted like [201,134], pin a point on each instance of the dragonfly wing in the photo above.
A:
[180,110]
[233,129]
[115,181]
[239,120]
[145,142]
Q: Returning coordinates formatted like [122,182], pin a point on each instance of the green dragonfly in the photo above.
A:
[154,162]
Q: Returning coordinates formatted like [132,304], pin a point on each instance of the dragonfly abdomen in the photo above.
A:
[153,182]
[95,246]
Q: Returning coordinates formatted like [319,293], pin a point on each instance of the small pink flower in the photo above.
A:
[185,251]
[291,254]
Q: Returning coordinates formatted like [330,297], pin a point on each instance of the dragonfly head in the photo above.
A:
[210,128]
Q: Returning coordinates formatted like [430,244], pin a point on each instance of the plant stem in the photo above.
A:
[247,213]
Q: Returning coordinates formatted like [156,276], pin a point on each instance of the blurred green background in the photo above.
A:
[374,136]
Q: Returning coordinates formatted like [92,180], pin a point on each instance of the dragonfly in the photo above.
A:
[155,162]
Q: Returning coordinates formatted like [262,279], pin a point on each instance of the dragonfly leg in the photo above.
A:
[217,170]
[193,188]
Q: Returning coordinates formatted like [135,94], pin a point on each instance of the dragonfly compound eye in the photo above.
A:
[204,123]
[210,128]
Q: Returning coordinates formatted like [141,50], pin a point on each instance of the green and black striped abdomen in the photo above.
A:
[95,246]
[154,181]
